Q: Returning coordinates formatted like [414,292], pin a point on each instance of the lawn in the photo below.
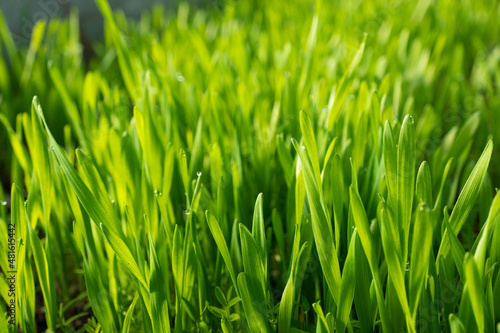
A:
[253,166]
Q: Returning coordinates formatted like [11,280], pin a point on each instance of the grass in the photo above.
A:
[257,167]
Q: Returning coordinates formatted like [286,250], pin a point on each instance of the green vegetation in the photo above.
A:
[255,166]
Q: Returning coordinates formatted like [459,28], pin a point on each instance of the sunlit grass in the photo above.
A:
[259,167]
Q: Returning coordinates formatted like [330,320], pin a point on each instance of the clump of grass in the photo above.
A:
[225,170]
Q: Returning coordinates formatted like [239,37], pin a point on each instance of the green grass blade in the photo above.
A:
[321,228]
[221,245]
[468,196]
[258,231]
[123,252]
[420,255]
[255,317]
[157,293]
[406,178]
[365,236]
[347,287]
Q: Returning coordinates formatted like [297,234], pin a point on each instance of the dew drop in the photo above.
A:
[407,266]
[180,78]
[25,203]
[188,212]
[303,148]
[4,203]
[411,118]
[198,173]
[52,147]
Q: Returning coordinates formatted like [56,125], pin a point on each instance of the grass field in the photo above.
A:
[254,166]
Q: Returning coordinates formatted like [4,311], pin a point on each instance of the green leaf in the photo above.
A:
[278,232]
[130,312]
[474,287]
[457,249]
[347,287]
[391,166]
[17,146]
[254,268]
[456,325]
[289,294]
[406,178]
[221,245]
[255,316]
[310,142]
[365,236]
[42,267]
[338,196]
[220,296]
[69,105]
[321,228]
[258,231]
[468,196]
[123,252]
[420,255]
[486,233]
[343,88]
[157,293]
[424,184]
